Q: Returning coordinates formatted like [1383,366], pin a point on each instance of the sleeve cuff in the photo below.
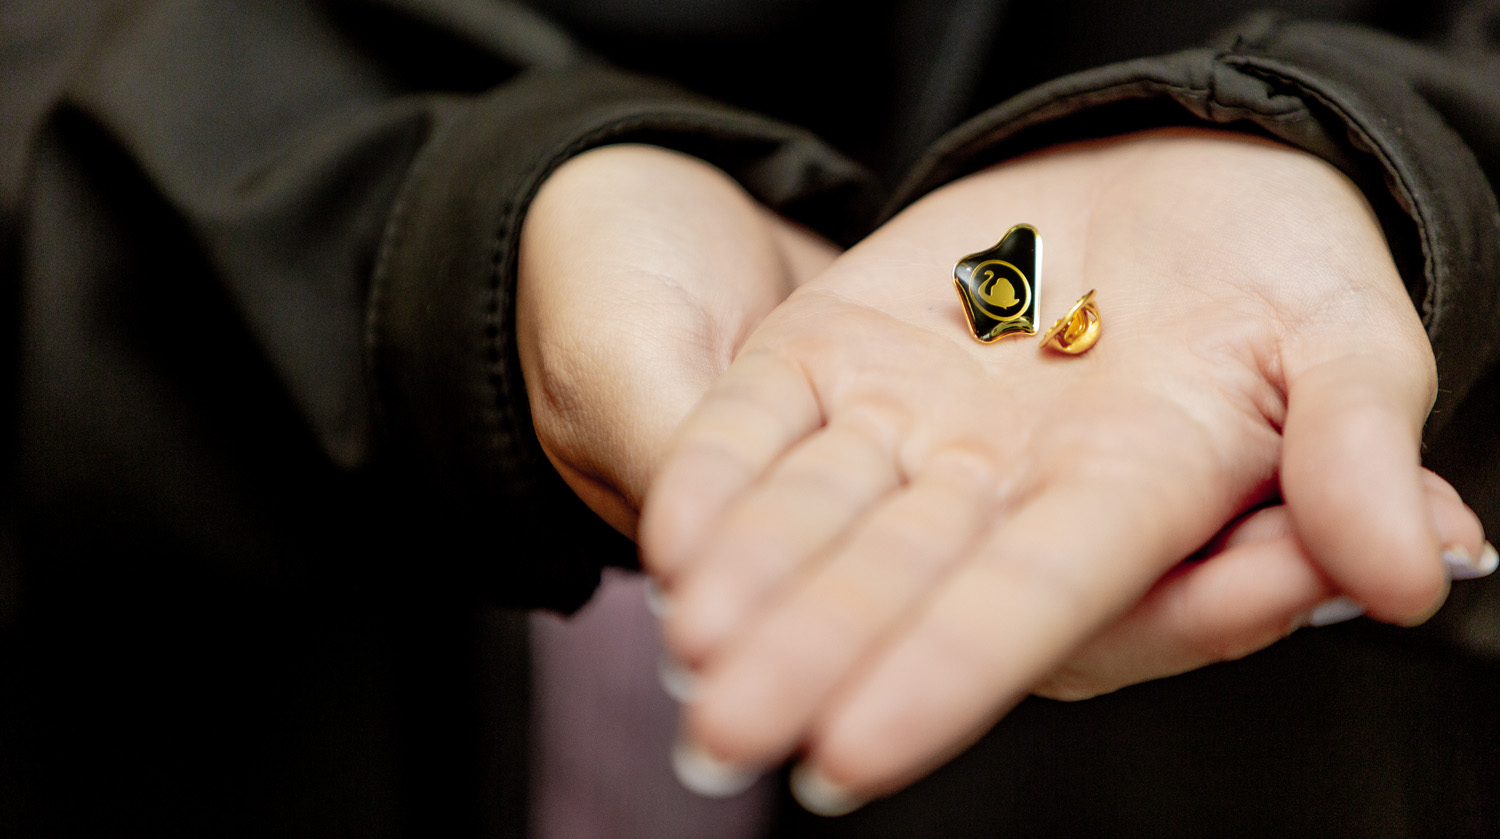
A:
[1315,87]
[441,331]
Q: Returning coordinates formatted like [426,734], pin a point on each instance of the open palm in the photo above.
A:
[879,534]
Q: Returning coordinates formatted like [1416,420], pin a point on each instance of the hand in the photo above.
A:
[1254,585]
[878,534]
[641,272]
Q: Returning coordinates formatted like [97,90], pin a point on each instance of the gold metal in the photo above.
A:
[999,288]
[1078,330]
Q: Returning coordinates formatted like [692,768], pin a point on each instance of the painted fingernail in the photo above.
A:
[820,796]
[658,602]
[1461,566]
[1337,610]
[706,775]
[678,681]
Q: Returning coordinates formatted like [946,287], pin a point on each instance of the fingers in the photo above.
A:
[777,528]
[758,409]
[816,635]
[961,663]
[1352,480]
[1242,598]
[1465,552]
[1258,586]
[1041,582]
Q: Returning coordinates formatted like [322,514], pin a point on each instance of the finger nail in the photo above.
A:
[658,602]
[1337,610]
[820,796]
[1461,566]
[678,681]
[706,775]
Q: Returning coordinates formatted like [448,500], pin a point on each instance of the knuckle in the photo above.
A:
[962,467]
[725,731]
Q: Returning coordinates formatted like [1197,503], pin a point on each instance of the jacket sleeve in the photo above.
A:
[441,319]
[1415,125]
[267,251]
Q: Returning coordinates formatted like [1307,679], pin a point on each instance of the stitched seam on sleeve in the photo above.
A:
[1134,89]
[1396,179]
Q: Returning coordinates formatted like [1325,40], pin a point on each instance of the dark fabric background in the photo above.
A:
[226,609]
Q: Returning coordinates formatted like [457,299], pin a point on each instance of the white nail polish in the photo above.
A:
[1489,560]
[705,775]
[658,602]
[1337,610]
[1461,566]
[820,796]
[679,682]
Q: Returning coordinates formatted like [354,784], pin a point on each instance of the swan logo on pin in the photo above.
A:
[998,286]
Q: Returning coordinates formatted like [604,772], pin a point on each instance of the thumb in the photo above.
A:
[1352,479]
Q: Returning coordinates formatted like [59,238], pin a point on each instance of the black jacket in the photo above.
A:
[273,463]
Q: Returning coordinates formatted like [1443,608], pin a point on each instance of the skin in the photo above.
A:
[681,264]
[878,535]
